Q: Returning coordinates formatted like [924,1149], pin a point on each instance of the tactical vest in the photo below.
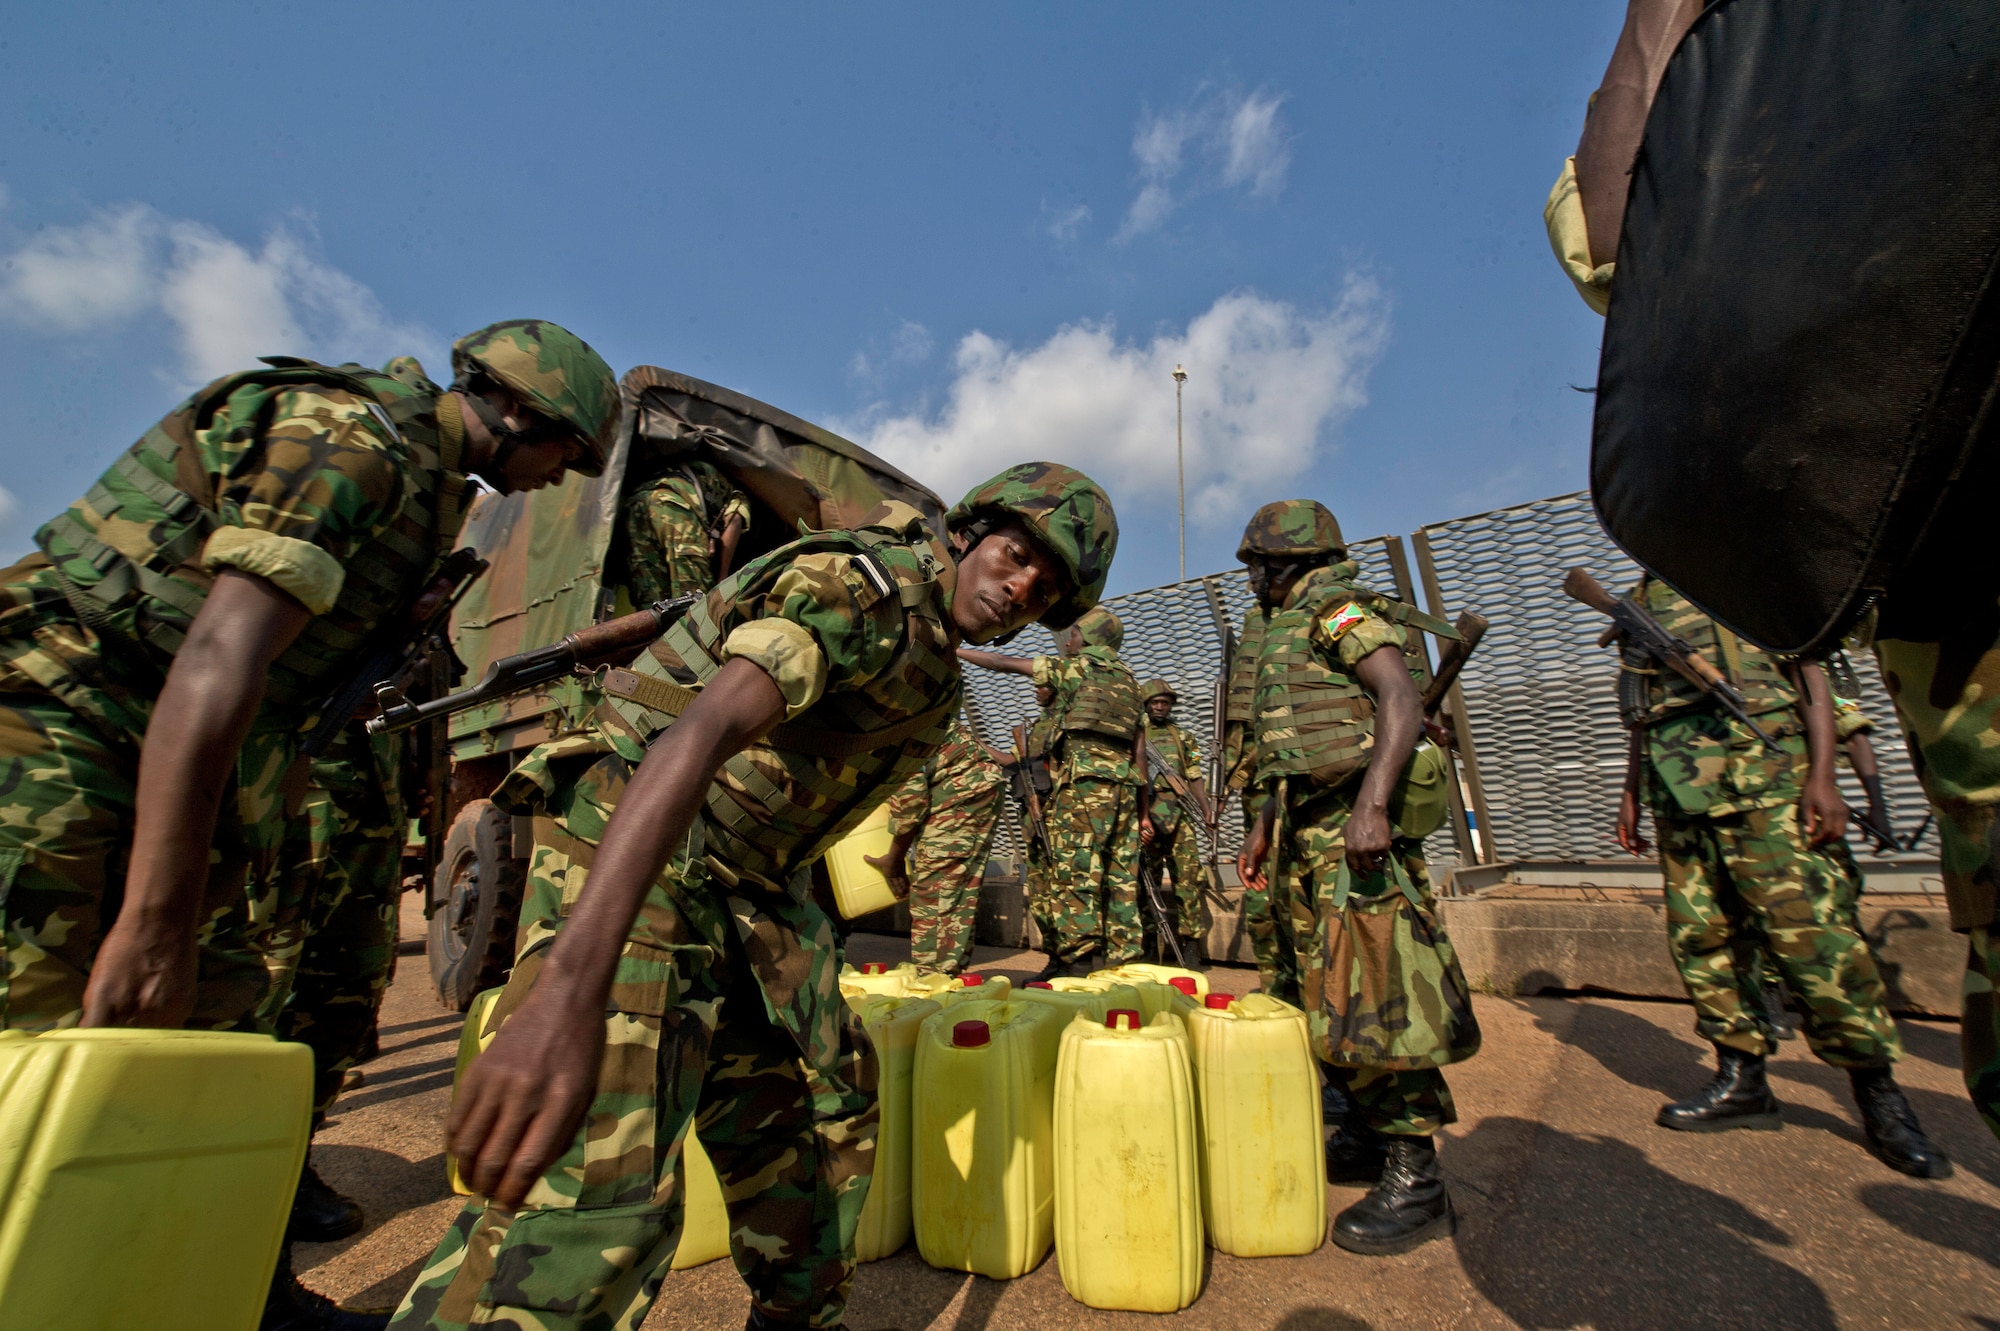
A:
[1104,703]
[1314,718]
[1755,672]
[776,806]
[1173,745]
[128,554]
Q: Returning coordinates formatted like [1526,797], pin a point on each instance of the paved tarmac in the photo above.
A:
[1575,1211]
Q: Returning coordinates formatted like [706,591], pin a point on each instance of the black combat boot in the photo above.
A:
[319,1214]
[1354,1152]
[1891,1126]
[1083,963]
[1739,1097]
[1406,1208]
[293,1307]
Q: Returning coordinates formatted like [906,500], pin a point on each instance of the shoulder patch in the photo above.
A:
[1343,619]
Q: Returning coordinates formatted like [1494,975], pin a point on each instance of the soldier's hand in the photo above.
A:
[891,867]
[144,975]
[1250,860]
[1822,812]
[1147,831]
[524,1098]
[1630,839]
[1367,836]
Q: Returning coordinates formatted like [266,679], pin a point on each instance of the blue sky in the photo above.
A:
[961,237]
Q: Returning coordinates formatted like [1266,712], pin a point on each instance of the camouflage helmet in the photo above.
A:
[556,374]
[1155,688]
[1066,511]
[1292,527]
[1098,627]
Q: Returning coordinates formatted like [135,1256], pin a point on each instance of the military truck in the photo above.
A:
[557,565]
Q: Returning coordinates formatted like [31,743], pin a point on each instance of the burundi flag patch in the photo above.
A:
[1342,620]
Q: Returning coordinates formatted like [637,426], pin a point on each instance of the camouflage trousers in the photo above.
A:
[1979,1025]
[1385,1000]
[1748,881]
[1270,929]
[945,873]
[1093,871]
[1413,1103]
[591,1246]
[1041,900]
[327,982]
[1176,852]
[66,824]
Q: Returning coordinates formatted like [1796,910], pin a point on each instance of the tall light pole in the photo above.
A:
[1180,464]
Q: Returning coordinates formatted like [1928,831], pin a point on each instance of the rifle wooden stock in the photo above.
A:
[1030,799]
[1471,628]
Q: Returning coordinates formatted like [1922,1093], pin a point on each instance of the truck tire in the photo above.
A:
[475,903]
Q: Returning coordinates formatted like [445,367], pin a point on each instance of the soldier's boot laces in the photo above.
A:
[319,1214]
[293,1307]
[1407,1207]
[1891,1126]
[1738,1097]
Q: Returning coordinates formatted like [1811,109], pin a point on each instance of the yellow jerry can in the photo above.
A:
[1263,1186]
[893,1024]
[705,1220]
[858,888]
[1092,1002]
[873,978]
[1154,996]
[982,1192]
[1192,983]
[472,1038]
[146,1176]
[1128,1189]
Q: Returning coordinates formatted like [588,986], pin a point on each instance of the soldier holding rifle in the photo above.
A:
[1733,751]
[1180,800]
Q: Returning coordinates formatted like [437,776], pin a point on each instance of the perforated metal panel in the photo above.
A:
[1540,694]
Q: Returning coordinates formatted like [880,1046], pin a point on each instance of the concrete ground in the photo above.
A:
[1575,1211]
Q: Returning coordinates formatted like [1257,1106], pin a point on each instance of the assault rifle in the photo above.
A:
[1025,789]
[1218,734]
[402,651]
[1163,924]
[580,653]
[1471,628]
[1193,805]
[1645,634]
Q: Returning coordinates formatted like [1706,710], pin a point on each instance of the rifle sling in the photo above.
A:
[671,699]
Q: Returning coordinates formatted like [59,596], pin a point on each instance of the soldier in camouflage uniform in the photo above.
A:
[1173,846]
[1100,791]
[942,822]
[1035,859]
[1337,719]
[681,529]
[162,651]
[1751,845]
[1270,930]
[688,976]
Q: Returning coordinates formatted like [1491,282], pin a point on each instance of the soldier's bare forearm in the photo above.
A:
[1000,661]
[1617,116]
[1399,722]
[1817,708]
[658,806]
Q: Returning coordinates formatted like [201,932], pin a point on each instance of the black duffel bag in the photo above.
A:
[1795,401]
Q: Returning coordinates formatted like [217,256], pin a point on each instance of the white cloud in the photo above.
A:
[909,345]
[1064,223]
[1235,140]
[1268,385]
[225,303]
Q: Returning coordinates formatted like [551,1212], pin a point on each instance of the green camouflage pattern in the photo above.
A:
[1239,748]
[698,1031]
[1157,688]
[953,806]
[1757,674]
[1706,765]
[1176,849]
[1313,715]
[667,527]
[1947,696]
[1979,1025]
[1100,628]
[1291,528]
[1093,866]
[344,858]
[1068,512]
[1381,981]
[1747,882]
[555,371]
[1035,859]
[1411,1103]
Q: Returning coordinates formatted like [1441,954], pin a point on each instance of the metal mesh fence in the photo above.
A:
[1539,693]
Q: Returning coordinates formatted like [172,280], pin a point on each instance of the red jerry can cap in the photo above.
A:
[1219,1002]
[1122,1019]
[875,968]
[1038,984]
[970,979]
[971,1035]
[1184,983]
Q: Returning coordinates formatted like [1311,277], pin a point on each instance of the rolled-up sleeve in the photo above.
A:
[1570,239]
[300,568]
[785,651]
